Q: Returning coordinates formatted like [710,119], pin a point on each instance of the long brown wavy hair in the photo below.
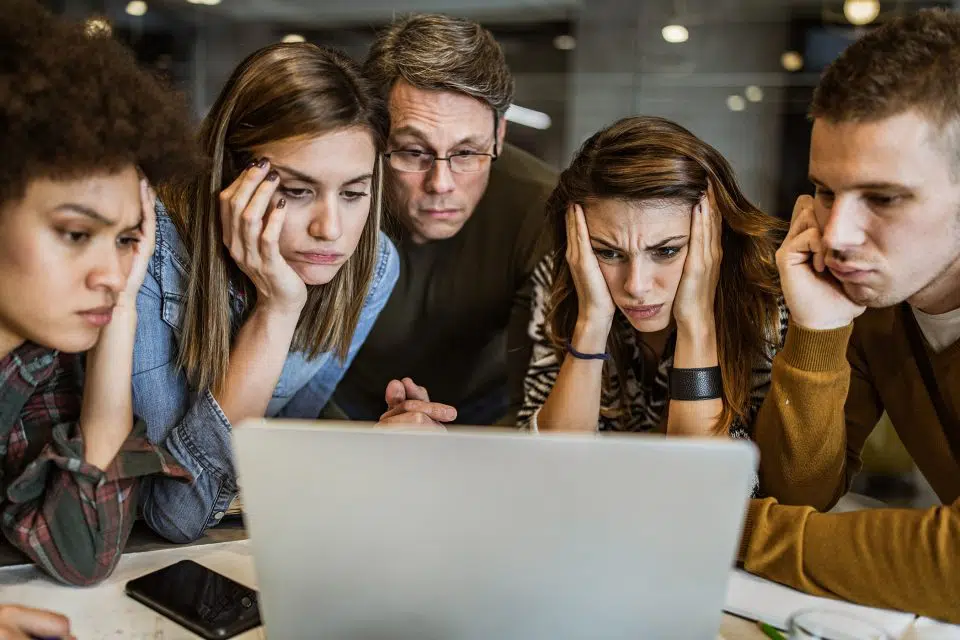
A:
[280,92]
[648,158]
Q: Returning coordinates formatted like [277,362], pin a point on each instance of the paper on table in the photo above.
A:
[757,599]
[927,629]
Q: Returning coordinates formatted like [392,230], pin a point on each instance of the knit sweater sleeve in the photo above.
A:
[812,425]
[893,558]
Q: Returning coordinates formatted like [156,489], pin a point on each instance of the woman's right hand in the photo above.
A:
[251,232]
[595,303]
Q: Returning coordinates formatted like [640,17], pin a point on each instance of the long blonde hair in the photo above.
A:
[649,158]
[280,92]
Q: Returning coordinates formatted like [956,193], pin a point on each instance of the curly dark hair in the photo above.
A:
[73,104]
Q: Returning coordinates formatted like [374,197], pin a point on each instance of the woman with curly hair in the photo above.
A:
[84,132]
[661,308]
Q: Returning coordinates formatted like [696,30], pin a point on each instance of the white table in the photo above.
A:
[104,612]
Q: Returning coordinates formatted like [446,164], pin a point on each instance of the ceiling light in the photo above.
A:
[528,117]
[753,93]
[136,7]
[565,43]
[860,12]
[294,37]
[675,33]
[791,61]
[736,103]
[206,2]
[97,27]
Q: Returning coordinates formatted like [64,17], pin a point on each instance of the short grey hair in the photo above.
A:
[435,51]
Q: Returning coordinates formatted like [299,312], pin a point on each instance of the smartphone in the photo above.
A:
[207,603]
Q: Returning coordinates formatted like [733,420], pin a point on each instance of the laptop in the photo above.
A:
[480,534]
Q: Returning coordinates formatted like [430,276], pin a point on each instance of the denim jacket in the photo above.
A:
[189,422]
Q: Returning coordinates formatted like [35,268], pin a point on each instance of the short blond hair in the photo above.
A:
[435,51]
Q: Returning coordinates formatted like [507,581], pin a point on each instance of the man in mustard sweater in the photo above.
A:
[871,273]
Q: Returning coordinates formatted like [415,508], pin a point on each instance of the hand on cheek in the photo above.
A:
[815,298]
[693,306]
[251,227]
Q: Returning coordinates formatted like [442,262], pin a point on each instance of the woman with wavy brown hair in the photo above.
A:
[660,309]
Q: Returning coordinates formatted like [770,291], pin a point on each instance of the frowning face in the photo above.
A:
[66,249]
[641,248]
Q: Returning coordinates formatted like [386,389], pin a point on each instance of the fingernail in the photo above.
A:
[262,162]
[251,164]
[273,176]
[282,203]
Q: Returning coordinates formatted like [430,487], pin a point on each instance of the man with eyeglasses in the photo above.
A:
[471,215]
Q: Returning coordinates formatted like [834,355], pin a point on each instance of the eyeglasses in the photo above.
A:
[421,161]
[460,162]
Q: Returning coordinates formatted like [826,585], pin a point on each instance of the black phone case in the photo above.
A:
[206,632]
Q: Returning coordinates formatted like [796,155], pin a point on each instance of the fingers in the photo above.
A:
[10,632]
[142,249]
[148,226]
[578,237]
[583,235]
[395,393]
[22,622]
[414,391]
[251,223]
[697,249]
[573,247]
[807,246]
[269,248]
[802,217]
[435,410]
[714,224]
[416,420]
[234,199]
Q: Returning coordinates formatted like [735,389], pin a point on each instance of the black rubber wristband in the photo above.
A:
[579,355]
[704,383]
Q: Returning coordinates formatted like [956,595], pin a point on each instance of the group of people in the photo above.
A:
[360,242]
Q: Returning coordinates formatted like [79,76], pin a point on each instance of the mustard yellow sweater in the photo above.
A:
[828,390]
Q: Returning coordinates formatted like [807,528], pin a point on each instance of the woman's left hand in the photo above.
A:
[693,306]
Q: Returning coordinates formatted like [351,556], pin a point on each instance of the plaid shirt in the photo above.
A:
[68,516]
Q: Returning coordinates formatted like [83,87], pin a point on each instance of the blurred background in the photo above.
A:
[738,73]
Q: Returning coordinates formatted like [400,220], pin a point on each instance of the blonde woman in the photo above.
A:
[269,271]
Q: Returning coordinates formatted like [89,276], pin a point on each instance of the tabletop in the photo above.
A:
[104,612]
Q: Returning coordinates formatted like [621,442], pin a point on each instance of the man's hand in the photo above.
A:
[409,405]
[815,298]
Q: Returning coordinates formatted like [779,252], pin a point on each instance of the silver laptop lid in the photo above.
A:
[373,534]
